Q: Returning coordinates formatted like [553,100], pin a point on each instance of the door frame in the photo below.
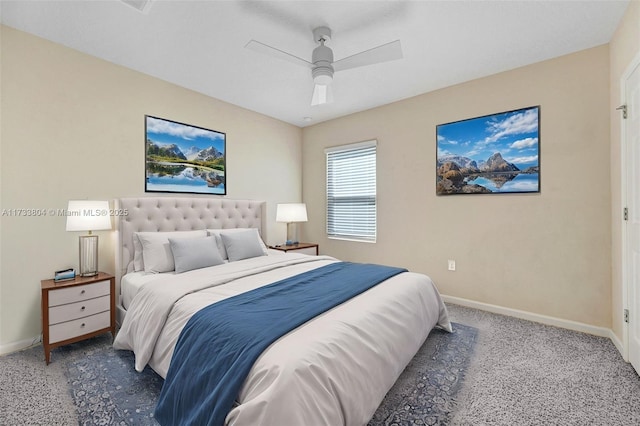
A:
[626,287]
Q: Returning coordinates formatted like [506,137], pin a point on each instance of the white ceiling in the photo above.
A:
[200,44]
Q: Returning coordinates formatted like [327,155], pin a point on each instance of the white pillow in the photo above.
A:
[138,264]
[156,251]
[242,245]
[221,248]
[194,253]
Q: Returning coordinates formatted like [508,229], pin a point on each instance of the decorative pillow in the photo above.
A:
[242,245]
[156,251]
[194,253]
[221,248]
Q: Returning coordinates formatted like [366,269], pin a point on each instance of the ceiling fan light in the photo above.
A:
[322,94]
[322,75]
[323,80]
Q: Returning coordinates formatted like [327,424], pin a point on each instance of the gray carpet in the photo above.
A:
[32,393]
[522,373]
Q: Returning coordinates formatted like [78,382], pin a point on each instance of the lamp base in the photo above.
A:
[88,256]
[292,234]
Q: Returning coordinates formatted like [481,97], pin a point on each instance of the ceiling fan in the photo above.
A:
[322,65]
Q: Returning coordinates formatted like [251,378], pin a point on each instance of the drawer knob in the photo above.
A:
[82,292]
[82,309]
[82,325]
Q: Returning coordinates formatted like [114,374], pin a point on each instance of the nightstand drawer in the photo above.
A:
[75,328]
[77,310]
[78,293]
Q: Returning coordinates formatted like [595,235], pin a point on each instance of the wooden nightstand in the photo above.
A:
[77,309]
[304,248]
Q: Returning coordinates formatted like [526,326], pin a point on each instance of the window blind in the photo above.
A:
[351,192]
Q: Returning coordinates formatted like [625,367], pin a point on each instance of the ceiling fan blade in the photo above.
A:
[256,46]
[322,94]
[387,52]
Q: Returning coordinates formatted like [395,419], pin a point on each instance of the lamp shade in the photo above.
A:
[87,215]
[291,212]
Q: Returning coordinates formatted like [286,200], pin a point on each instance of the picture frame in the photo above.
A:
[492,154]
[184,158]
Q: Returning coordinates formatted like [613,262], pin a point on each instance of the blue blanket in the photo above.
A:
[221,342]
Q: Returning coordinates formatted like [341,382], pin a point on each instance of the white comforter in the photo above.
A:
[333,370]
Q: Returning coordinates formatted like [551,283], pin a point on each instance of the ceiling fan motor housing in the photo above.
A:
[322,59]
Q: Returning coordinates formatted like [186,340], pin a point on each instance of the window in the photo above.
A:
[351,192]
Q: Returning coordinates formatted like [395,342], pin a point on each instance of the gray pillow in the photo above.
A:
[242,245]
[194,253]
[222,250]
[154,252]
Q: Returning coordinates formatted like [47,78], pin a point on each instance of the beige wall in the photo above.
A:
[624,49]
[73,127]
[547,253]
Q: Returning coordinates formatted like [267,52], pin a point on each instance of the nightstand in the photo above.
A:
[303,248]
[77,309]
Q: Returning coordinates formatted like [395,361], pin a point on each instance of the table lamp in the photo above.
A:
[291,213]
[85,215]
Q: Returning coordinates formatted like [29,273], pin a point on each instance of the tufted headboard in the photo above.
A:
[180,214]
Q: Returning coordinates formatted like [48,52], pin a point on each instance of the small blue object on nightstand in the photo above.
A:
[64,275]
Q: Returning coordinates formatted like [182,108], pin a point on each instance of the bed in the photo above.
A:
[334,369]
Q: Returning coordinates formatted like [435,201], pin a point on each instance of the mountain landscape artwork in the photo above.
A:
[184,158]
[498,153]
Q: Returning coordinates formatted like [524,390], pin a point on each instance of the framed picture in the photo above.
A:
[493,154]
[184,158]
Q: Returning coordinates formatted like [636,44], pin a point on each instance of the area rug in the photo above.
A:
[425,393]
[108,391]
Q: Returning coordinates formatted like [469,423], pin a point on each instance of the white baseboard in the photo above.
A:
[17,346]
[617,343]
[543,319]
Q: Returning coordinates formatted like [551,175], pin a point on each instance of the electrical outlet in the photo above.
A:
[452,265]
